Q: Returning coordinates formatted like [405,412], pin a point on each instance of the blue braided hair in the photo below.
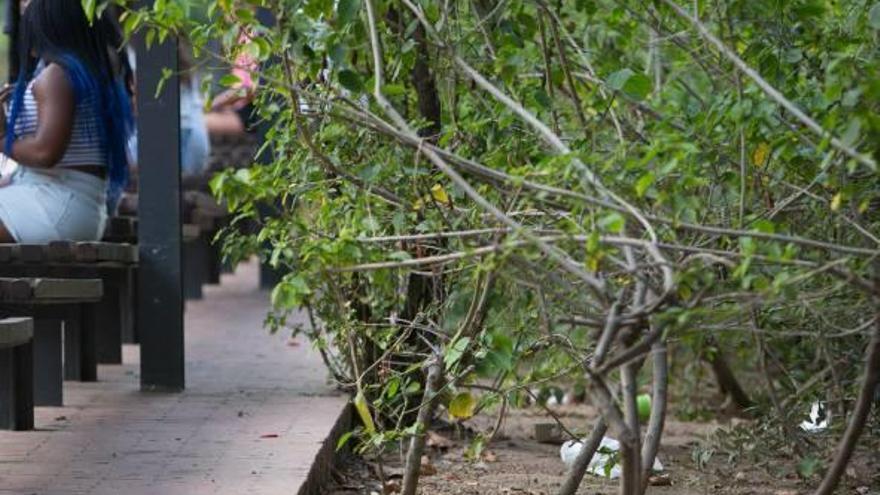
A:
[57,31]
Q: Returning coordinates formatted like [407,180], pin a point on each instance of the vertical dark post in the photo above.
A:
[269,277]
[10,28]
[160,291]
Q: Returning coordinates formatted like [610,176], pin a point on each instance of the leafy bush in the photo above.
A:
[478,195]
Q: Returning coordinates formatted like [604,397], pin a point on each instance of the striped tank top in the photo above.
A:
[85,146]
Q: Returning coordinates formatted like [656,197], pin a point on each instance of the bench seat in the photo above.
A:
[56,304]
[114,263]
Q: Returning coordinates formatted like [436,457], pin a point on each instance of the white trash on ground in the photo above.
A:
[818,421]
[607,454]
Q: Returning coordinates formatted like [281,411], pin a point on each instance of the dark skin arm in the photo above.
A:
[56,105]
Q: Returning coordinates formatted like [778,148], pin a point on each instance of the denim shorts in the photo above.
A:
[44,205]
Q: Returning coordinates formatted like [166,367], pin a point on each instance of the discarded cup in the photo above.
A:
[605,462]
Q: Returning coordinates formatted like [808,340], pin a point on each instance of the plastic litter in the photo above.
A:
[818,421]
[606,460]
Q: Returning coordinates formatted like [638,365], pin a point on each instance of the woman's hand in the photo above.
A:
[229,99]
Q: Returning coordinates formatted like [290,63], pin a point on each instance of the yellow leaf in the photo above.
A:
[593,261]
[439,195]
[836,201]
[462,406]
[360,403]
[761,154]
[418,205]
[684,292]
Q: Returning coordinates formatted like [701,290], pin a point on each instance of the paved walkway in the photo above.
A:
[253,417]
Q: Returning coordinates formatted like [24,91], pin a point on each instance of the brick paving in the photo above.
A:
[255,413]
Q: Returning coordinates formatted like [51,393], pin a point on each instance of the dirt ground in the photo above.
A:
[515,463]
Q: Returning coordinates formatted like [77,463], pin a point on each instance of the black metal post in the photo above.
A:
[160,282]
[10,28]
[269,276]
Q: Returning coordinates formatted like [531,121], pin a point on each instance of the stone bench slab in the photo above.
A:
[15,332]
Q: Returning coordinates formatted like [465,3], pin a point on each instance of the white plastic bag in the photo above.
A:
[818,421]
[607,453]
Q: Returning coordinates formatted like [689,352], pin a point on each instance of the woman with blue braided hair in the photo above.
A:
[68,123]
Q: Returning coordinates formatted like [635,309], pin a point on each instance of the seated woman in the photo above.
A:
[68,124]
[195,147]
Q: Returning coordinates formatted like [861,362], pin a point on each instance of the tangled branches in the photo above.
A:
[517,192]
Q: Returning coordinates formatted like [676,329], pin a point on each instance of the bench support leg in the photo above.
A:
[126,306]
[73,344]
[193,271]
[109,336]
[269,277]
[80,354]
[47,363]
[17,388]
[88,350]
[215,263]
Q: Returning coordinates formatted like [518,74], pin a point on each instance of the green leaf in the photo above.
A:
[462,406]
[350,80]
[317,8]
[633,84]
[343,440]
[638,86]
[363,410]
[644,182]
[413,387]
[456,351]
[393,387]
[793,56]
[586,6]
[542,98]
[765,226]
[90,7]
[808,467]
[593,242]
[290,293]
[245,16]
[874,16]
[612,222]
[346,11]
[166,75]
[851,134]
[229,81]
[617,80]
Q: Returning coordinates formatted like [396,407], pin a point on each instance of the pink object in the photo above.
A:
[245,65]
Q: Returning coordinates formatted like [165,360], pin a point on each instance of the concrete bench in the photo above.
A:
[114,263]
[56,304]
[16,374]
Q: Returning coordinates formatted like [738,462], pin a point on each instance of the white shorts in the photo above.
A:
[58,204]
